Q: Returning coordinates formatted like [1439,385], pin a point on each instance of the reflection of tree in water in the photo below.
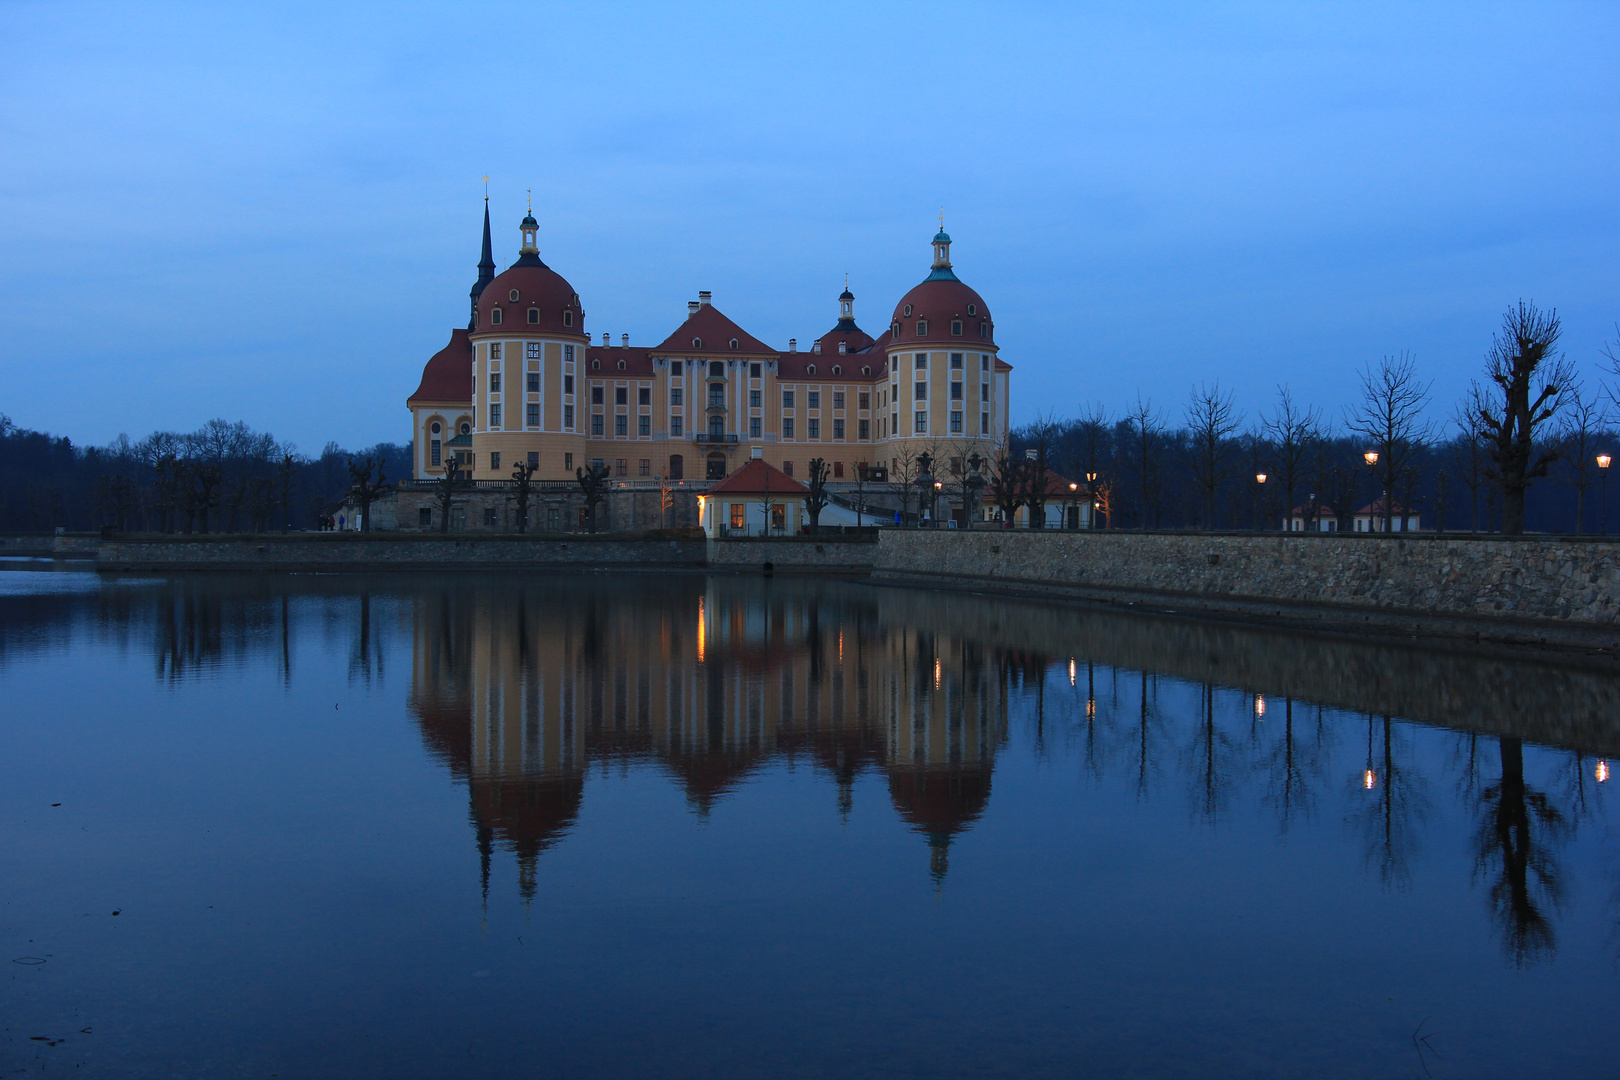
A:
[1293,765]
[1519,832]
[1393,801]
[1210,760]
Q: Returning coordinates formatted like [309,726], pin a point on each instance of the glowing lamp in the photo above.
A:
[1370,457]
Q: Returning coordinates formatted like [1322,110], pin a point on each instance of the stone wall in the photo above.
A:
[352,551]
[1547,590]
[490,510]
[836,554]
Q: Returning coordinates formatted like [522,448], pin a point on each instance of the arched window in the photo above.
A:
[697,343]
[621,365]
[866,370]
[922,327]
[984,330]
[596,365]
[895,329]
[495,316]
[568,318]
[810,369]
[534,315]
[838,369]
[733,343]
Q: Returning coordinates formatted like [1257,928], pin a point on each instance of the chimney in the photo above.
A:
[624,339]
[815,346]
[604,339]
[691,308]
[703,298]
[841,348]
[793,344]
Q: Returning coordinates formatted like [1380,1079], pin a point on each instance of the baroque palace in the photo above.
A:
[525,382]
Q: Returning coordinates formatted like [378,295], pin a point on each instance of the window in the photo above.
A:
[677,467]
[568,352]
[813,428]
[596,365]
[956,361]
[838,470]
[984,423]
[424,517]
[921,361]
[863,401]
[621,365]
[787,468]
[956,327]
[534,315]
[596,395]
[838,399]
[838,369]
[812,399]
[644,396]
[921,391]
[534,459]
[973,310]
[753,371]
[753,427]
[956,391]
[787,399]
[810,369]
[568,417]
[495,461]
[956,423]
[717,395]
[737,519]
[675,395]
[922,327]
[621,467]
[435,453]
[621,425]
[568,462]
[645,467]
[568,318]
[675,426]
[984,330]
[512,296]
[984,391]
[494,382]
[733,343]
[643,426]
[621,395]
[920,423]
[753,399]
[533,416]
[787,427]
[907,312]
[717,369]
[865,428]
[984,362]
[838,429]
[495,416]
[568,384]
[494,350]
[495,317]
[534,382]
[674,369]
[596,424]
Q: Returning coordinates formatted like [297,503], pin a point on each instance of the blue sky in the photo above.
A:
[272,213]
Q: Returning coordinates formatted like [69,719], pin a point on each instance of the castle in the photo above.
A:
[525,383]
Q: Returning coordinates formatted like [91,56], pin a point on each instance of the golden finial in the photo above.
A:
[942,219]
[486,189]
[846,281]
[531,199]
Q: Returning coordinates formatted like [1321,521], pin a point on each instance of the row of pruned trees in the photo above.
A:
[222,477]
[1530,417]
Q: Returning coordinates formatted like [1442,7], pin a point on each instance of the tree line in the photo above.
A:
[1519,450]
[222,477]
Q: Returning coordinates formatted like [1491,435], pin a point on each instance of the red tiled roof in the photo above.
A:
[796,365]
[758,477]
[1002,365]
[447,377]
[714,332]
[637,361]
[939,301]
[1377,507]
[539,287]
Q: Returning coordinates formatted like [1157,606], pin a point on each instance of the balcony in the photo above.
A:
[707,437]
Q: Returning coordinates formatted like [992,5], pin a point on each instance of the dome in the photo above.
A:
[939,302]
[447,377]
[539,288]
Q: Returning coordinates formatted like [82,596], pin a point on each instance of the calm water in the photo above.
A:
[688,826]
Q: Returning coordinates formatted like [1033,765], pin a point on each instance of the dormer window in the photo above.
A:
[973,309]
[596,365]
[810,369]
[895,329]
[495,317]
[568,318]
[838,369]
[733,343]
[922,327]
[534,316]
[513,296]
[984,330]
[908,311]
[866,370]
[697,343]
[621,365]
[956,327]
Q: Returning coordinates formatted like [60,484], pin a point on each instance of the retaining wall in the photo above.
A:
[843,555]
[352,551]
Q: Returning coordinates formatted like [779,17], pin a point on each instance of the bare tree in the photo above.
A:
[1211,420]
[1529,392]
[816,501]
[593,487]
[1146,426]
[1390,418]
[1009,479]
[364,489]
[1579,432]
[1095,438]
[1293,429]
[445,491]
[523,480]
[1468,452]
[903,473]
[1042,436]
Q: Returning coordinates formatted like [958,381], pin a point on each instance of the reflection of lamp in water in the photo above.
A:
[936,673]
[702,637]
[1601,772]
[1259,706]
[1369,779]
[1071,671]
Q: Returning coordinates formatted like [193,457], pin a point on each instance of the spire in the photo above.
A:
[529,253]
[486,266]
[942,253]
[846,307]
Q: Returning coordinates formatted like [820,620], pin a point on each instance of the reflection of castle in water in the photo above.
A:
[520,689]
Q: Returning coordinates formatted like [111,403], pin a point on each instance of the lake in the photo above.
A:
[707,826]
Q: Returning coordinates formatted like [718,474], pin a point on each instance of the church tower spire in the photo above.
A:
[486,269]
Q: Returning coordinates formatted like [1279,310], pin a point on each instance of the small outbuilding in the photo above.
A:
[753,500]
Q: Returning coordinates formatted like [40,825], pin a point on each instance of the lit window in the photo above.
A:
[737,511]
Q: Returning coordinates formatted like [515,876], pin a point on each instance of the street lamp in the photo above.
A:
[925,481]
[971,485]
[1371,458]
[1091,488]
[1603,462]
[1259,518]
[1074,508]
[932,502]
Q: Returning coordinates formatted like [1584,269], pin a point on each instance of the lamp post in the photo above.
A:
[1091,491]
[1259,516]
[1603,462]
[1074,507]
[1371,458]
[1313,522]
[925,482]
[971,486]
[933,497]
